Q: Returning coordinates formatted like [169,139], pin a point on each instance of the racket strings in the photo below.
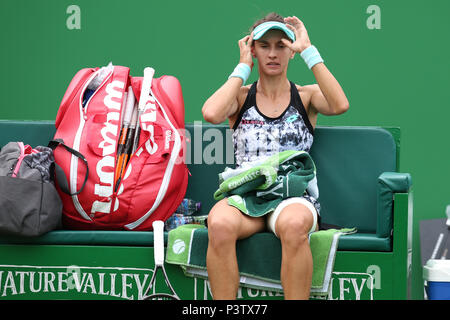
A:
[160,295]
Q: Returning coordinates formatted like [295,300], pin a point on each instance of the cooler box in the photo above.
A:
[437,275]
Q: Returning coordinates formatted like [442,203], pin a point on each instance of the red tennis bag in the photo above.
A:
[88,128]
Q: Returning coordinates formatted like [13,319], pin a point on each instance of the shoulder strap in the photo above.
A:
[249,102]
[59,172]
[298,104]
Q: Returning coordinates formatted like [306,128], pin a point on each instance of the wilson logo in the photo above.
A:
[105,166]
[146,120]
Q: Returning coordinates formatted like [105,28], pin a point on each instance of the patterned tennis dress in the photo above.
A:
[257,136]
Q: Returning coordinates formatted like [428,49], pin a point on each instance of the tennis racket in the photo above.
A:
[158,249]
[143,98]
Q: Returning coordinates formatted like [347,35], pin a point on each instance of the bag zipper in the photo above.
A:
[77,142]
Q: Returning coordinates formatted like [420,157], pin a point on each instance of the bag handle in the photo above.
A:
[59,172]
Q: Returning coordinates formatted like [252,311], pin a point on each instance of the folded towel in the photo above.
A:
[259,189]
[259,257]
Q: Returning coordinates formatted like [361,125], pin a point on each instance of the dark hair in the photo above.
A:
[273,16]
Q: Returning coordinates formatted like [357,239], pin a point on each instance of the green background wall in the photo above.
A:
[397,75]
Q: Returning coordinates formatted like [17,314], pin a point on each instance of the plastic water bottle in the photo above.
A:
[188,207]
[185,215]
[177,220]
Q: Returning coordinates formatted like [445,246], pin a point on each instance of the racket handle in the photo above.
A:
[447,212]
[146,85]
[158,241]
[129,106]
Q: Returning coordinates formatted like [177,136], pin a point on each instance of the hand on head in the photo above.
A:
[301,35]
[245,47]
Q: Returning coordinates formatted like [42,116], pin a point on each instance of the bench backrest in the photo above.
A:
[348,160]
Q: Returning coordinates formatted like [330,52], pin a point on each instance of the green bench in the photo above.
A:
[356,171]
[360,186]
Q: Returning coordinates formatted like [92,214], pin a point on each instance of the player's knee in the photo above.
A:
[222,229]
[293,231]
[221,232]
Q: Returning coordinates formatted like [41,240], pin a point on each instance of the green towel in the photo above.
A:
[259,257]
[260,189]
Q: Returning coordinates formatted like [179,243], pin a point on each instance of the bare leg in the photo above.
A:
[292,226]
[226,225]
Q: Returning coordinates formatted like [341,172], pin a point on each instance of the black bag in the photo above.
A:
[29,202]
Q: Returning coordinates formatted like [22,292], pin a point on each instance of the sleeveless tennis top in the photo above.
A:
[256,135]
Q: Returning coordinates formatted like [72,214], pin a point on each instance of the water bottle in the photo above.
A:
[188,207]
[177,220]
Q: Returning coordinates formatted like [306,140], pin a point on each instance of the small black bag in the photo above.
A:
[29,202]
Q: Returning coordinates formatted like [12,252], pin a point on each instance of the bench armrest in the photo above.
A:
[388,184]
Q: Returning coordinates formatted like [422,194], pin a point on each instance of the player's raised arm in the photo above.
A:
[224,102]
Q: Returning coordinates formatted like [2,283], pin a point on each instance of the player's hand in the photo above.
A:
[301,35]
[245,46]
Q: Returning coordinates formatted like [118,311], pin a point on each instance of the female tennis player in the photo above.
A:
[269,116]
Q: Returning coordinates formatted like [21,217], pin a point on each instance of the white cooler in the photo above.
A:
[436,274]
